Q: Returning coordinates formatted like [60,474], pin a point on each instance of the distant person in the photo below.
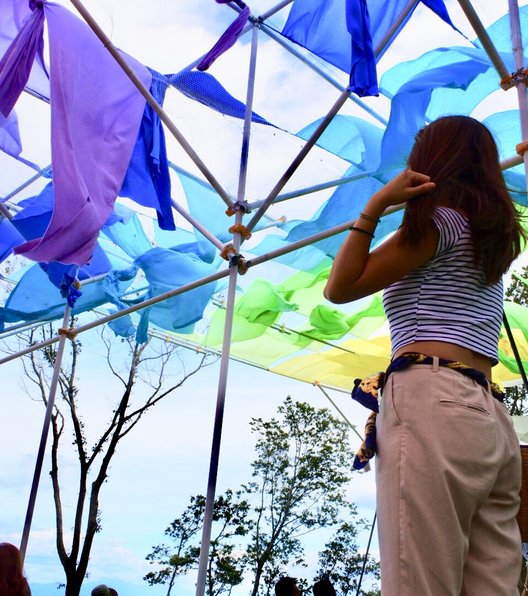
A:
[12,580]
[101,590]
[323,587]
[287,586]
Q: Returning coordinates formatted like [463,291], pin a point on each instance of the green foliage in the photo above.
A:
[341,562]
[225,568]
[517,291]
[301,469]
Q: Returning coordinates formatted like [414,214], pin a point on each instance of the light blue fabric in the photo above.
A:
[353,139]
[127,233]
[506,128]
[410,105]
[123,327]
[166,270]
[25,303]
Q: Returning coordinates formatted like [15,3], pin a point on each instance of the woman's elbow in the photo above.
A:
[342,295]
[334,295]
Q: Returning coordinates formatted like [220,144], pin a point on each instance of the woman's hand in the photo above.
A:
[356,273]
[405,186]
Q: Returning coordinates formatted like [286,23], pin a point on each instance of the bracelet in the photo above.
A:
[369,218]
[353,228]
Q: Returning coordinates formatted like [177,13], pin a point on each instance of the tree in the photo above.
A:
[301,470]
[341,562]
[517,291]
[299,479]
[145,380]
[230,520]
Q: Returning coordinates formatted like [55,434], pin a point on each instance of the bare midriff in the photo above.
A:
[449,352]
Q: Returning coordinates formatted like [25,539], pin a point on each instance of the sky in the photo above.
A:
[165,460]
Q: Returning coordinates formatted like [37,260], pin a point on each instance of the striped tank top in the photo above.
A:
[446,299]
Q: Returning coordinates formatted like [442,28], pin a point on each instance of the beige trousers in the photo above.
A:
[448,477]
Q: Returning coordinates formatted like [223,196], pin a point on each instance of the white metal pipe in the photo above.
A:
[269,13]
[352,426]
[484,38]
[218,422]
[299,158]
[228,328]
[393,30]
[518,55]
[289,47]
[44,436]
[196,224]
[244,153]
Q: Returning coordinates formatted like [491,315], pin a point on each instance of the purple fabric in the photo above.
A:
[227,40]
[13,15]
[16,63]
[9,135]
[95,116]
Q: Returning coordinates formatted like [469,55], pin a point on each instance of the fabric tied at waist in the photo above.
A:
[367,391]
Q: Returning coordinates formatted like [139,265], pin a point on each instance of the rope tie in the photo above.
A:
[240,229]
[514,79]
[70,333]
[521,148]
[228,253]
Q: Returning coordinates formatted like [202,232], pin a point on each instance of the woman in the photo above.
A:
[12,580]
[448,464]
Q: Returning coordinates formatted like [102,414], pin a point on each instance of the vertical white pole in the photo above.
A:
[518,55]
[228,326]
[44,436]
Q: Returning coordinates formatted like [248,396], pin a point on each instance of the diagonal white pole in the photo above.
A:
[44,435]
[228,327]
[299,158]
[483,36]
[151,101]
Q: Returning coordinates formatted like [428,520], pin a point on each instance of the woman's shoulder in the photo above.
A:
[453,228]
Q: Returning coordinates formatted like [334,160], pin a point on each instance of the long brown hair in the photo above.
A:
[461,157]
[12,580]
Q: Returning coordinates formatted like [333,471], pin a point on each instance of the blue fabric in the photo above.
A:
[345,204]
[9,238]
[32,222]
[363,76]
[147,180]
[203,87]
[338,32]
[164,271]
[36,212]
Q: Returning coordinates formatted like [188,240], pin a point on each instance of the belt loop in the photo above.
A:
[436,364]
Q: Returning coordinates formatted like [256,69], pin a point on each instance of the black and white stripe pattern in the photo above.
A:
[446,299]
